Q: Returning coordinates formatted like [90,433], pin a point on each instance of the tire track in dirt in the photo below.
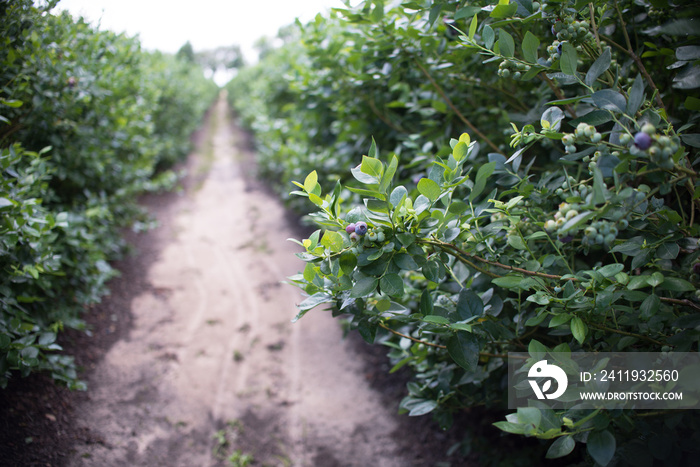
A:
[213,364]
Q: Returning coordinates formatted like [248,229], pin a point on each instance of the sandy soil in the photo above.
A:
[212,369]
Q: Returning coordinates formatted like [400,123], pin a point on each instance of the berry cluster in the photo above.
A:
[570,189]
[363,236]
[554,52]
[512,69]
[599,232]
[584,133]
[660,148]
[602,233]
[576,32]
[566,211]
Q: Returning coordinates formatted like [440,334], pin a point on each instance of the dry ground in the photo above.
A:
[193,360]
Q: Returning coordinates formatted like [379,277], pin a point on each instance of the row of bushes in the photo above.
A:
[88,122]
[542,196]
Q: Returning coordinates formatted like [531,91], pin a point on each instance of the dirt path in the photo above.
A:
[212,368]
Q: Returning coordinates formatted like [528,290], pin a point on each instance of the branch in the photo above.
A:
[678,301]
[629,51]
[464,254]
[383,326]
[624,333]
[481,354]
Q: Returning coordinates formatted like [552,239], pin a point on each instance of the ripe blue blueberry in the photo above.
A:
[350,228]
[696,268]
[360,228]
[642,141]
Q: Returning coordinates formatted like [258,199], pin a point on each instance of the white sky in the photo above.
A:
[167,24]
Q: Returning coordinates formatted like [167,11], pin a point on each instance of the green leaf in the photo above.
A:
[630,247]
[362,177]
[482,176]
[435,12]
[504,11]
[676,284]
[405,261]
[607,99]
[392,284]
[510,427]
[643,258]
[636,96]
[436,319]
[508,282]
[529,46]
[310,182]
[364,287]
[406,239]
[469,304]
[691,139]
[506,44]
[367,330]
[429,189]
[600,189]
[558,320]
[431,271]
[332,240]
[13,103]
[578,329]
[372,166]
[576,221]
[489,36]
[466,12]
[688,53]
[516,242]
[561,447]
[569,59]
[530,416]
[599,67]
[377,206]
[692,103]
[315,300]
[536,349]
[368,193]
[649,307]
[426,303]
[373,152]
[464,350]
[348,261]
[668,250]
[601,446]
[472,27]
[388,176]
[460,150]
[638,282]
[47,338]
[398,195]
[457,207]
[610,270]
[423,407]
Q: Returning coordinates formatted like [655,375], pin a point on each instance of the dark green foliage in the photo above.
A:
[544,227]
[107,119]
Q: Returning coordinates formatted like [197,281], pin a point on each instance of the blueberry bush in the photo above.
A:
[539,192]
[88,121]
